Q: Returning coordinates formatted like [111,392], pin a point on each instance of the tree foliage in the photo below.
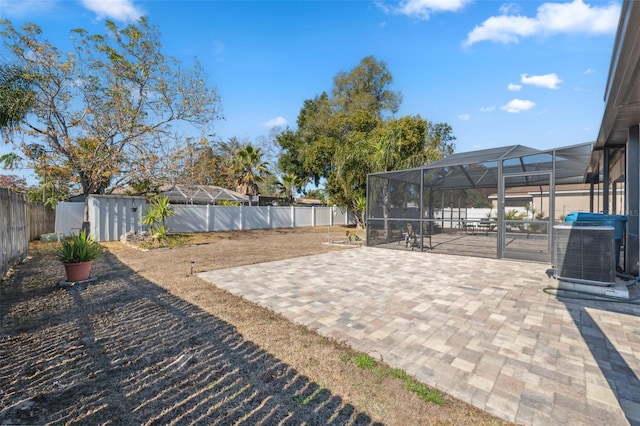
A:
[365,88]
[288,186]
[13,182]
[103,110]
[342,138]
[16,95]
[249,170]
[156,216]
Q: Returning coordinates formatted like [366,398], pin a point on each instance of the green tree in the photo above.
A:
[249,170]
[307,152]
[100,110]
[366,88]
[342,138]
[395,144]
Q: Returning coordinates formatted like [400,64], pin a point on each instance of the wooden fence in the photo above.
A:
[20,222]
[14,229]
[42,220]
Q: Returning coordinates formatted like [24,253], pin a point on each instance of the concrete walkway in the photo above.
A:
[482,330]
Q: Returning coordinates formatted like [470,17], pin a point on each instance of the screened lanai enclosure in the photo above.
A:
[497,202]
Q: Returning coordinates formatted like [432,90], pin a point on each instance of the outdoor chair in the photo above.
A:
[466,227]
[410,237]
[487,225]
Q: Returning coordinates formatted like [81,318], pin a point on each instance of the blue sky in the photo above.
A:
[500,73]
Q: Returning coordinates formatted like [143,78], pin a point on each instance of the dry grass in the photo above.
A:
[151,344]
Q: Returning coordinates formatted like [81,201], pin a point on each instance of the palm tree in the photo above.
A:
[16,96]
[289,185]
[249,169]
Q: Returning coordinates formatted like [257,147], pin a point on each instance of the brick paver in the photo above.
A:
[482,330]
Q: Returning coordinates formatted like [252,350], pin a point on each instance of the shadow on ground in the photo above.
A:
[620,377]
[124,351]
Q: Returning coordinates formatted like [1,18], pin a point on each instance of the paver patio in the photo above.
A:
[482,330]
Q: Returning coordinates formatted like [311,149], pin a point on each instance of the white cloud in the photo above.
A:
[550,81]
[464,117]
[423,9]
[275,122]
[551,18]
[517,105]
[514,87]
[119,10]
[510,9]
[588,71]
[19,8]
[488,109]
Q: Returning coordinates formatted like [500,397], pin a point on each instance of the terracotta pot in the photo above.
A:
[78,271]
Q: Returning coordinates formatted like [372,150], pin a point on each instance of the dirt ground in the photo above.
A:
[149,343]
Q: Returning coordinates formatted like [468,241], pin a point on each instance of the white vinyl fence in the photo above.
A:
[205,218]
[112,216]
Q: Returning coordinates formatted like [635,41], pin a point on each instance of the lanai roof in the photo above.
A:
[479,169]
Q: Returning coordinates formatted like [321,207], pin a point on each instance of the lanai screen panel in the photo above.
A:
[423,199]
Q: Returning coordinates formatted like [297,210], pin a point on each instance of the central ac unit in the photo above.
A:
[585,254]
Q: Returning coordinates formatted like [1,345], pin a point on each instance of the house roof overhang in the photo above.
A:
[622,92]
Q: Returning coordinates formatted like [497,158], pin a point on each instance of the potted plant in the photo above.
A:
[77,254]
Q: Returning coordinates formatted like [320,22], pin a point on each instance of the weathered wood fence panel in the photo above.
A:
[14,229]
[42,220]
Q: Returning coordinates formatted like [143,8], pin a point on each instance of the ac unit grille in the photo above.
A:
[585,254]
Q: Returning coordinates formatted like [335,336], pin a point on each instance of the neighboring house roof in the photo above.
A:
[79,198]
[308,201]
[200,194]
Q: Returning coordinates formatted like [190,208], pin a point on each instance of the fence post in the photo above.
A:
[293,217]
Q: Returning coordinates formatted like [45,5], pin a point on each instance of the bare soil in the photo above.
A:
[150,343]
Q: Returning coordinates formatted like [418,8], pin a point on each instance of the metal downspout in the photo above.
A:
[421,209]
[605,181]
[632,201]
[552,207]
[501,204]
